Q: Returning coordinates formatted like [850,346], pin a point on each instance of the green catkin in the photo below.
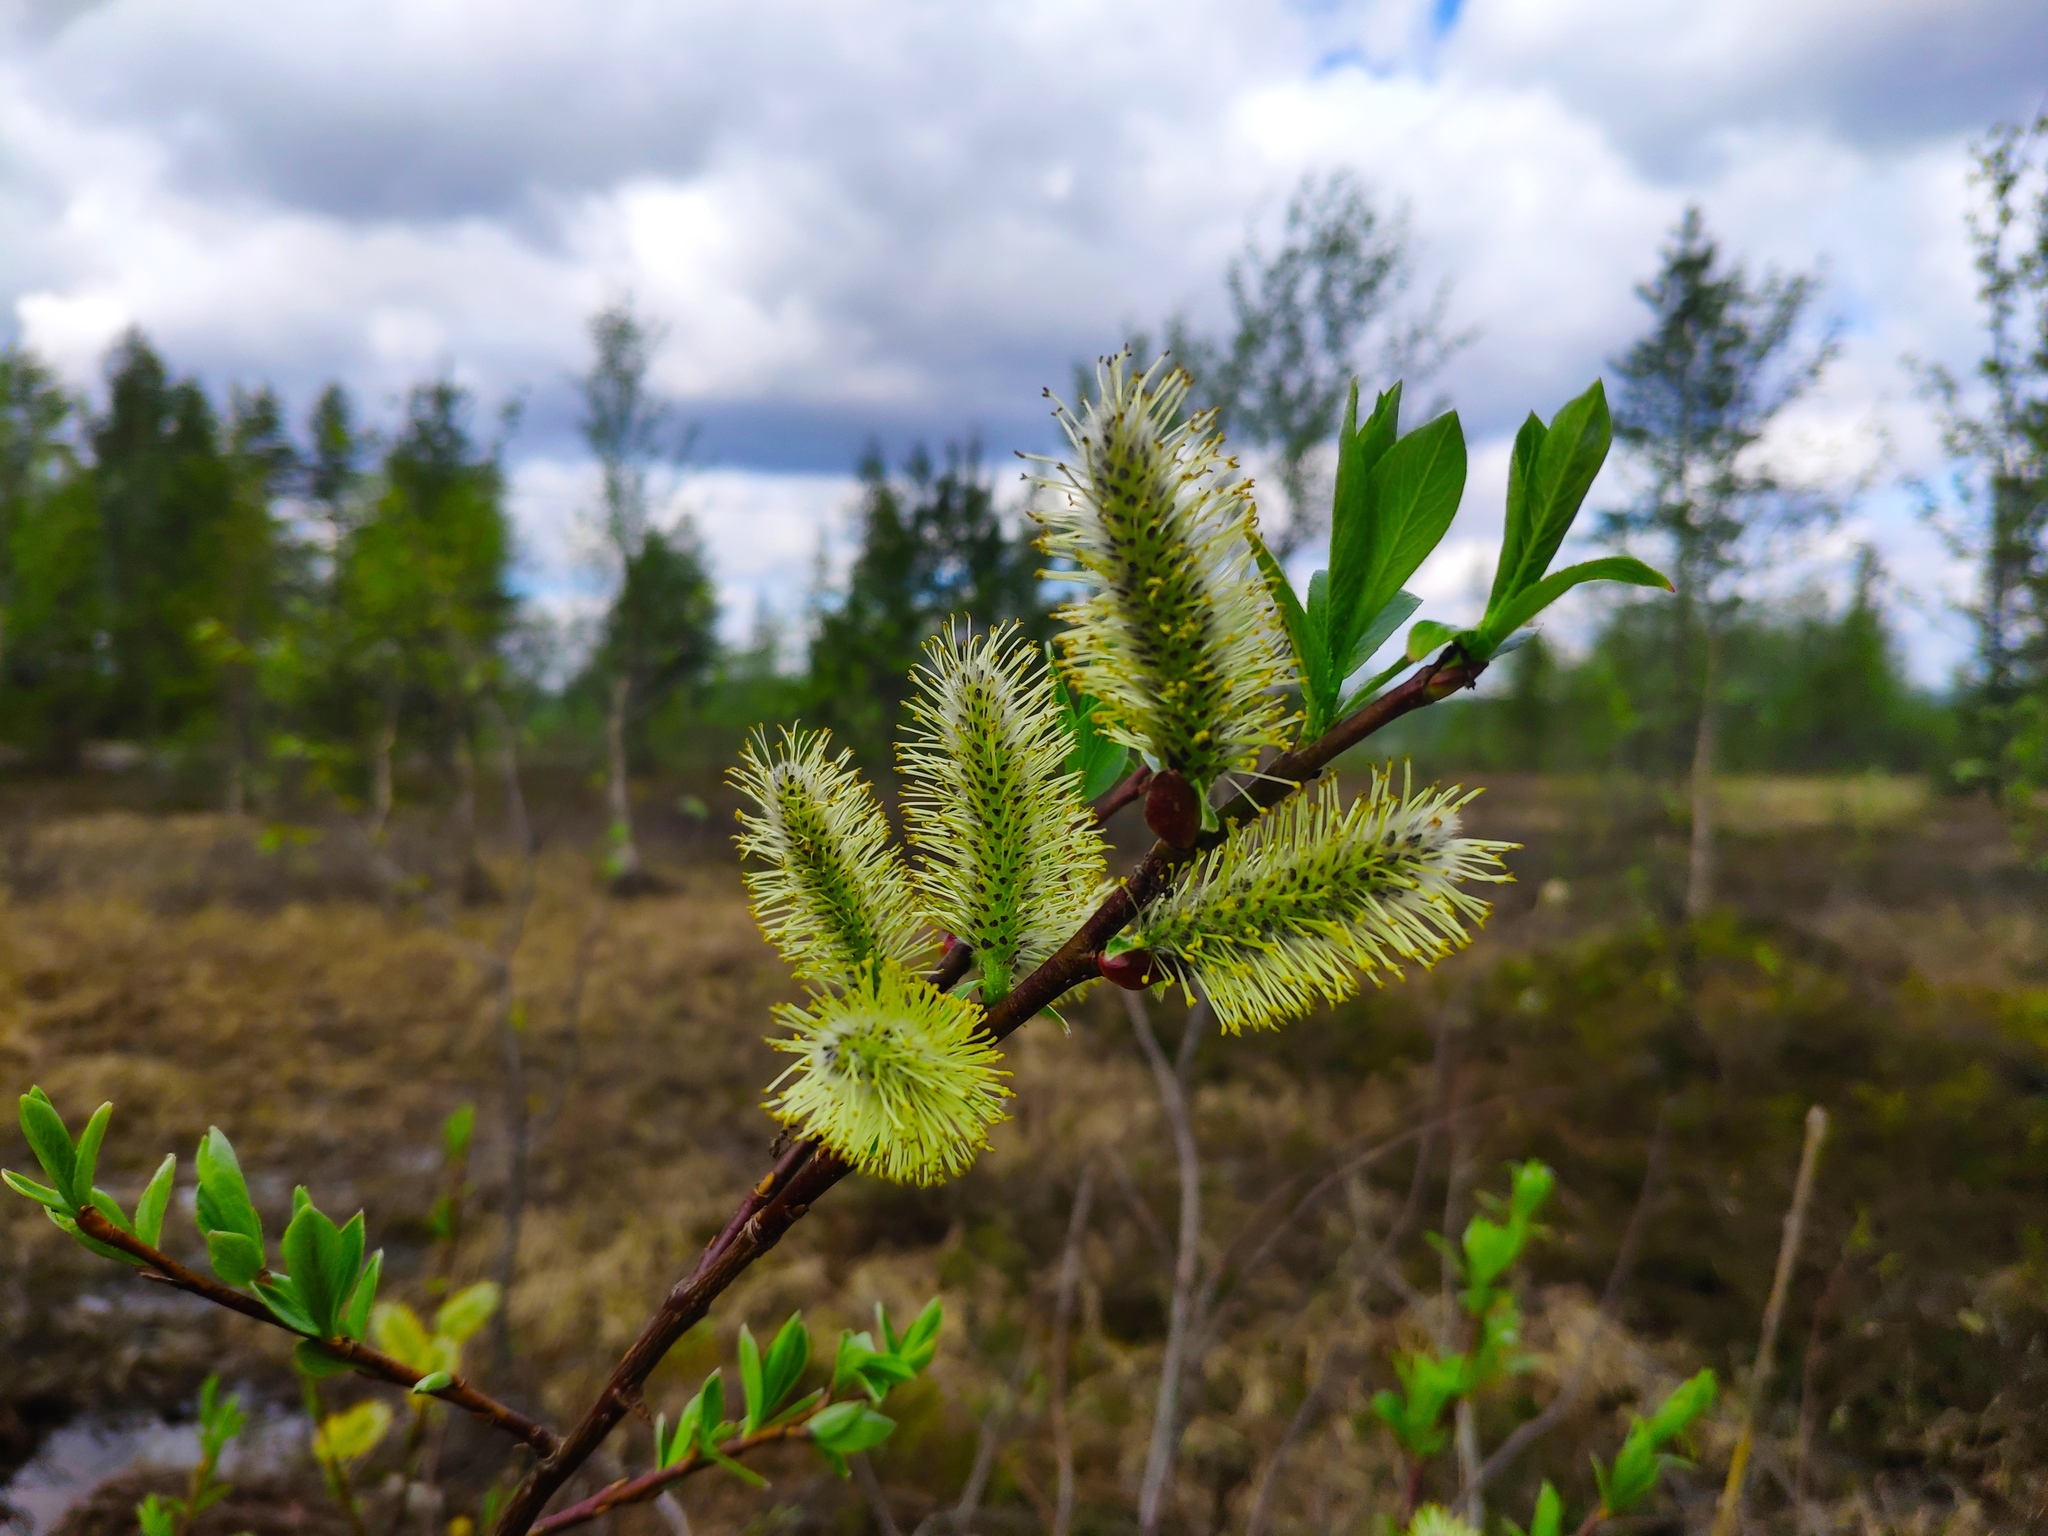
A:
[1174,632]
[833,892]
[1294,906]
[893,1075]
[1011,859]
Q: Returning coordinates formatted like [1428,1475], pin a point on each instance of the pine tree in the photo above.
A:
[1723,358]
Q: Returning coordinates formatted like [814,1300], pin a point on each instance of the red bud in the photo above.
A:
[1132,970]
[1173,810]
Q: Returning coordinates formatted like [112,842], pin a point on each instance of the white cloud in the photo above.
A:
[903,218]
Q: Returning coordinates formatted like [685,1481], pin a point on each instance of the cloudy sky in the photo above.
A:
[901,219]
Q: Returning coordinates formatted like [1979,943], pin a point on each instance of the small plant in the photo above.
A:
[220,1420]
[1433,1382]
[1185,646]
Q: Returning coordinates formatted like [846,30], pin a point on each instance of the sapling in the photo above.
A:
[1187,647]
[220,1420]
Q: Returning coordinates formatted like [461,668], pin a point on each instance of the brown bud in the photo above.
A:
[1173,810]
[1132,970]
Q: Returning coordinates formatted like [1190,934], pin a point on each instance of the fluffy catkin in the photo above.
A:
[832,891]
[892,1074]
[1174,631]
[1011,859]
[1295,905]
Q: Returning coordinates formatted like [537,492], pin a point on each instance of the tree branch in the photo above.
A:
[805,1173]
[164,1270]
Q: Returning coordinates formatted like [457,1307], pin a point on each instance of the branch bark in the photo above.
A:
[165,1270]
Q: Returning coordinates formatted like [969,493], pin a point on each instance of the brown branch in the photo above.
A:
[649,1486]
[165,1270]
[1131,788]
[782,1198]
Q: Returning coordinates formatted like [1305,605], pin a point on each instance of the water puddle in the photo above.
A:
[88,1451]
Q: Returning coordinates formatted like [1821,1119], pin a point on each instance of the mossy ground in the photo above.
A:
[1882,952]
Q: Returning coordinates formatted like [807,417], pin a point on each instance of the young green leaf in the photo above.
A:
[1411,495]
[313,1251]
[750,1381]
[235,1258]
[456,1132]
[1532,600]
[156,1199]
[157,1515]
[845,1428]
[920,1341]
[315,1361]
[398,1331]
[432,1382]
[710,1412]
[1095,760]
[42,1194]
[1378,632]
[1428,636]
[1548,1520]
[353,1433]
[50,1141]
[787,1357]
[1643,1458]
[86,1155]
[1311,650]
[465,1312]
[1548,477]
[223,1203]
[355,1313]
[281,1294]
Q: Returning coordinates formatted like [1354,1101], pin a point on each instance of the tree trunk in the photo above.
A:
[1699,884]
[380,772]
[517,827]
[625,853]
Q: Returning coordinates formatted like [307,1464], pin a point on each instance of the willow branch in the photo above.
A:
[164,1270]
[805,1171]
[649,1486]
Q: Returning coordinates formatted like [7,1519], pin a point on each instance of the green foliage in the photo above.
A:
[1643,1458]
[220,1421]
[1097,761]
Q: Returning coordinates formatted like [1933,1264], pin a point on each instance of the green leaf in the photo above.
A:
[1369,690]
[710,1412]
[1429,636]
[235,1258]
[42,1194]
[855,1350]
[69,1228]
[1095,760]
[1377,633]
[1548,477]
[456,1132]
[1411,495]
[787,1357]
[86,1156]
[1312,656]
[397,1330]
[845,1428]
[223,1204]
[462,1314]
[750,1381]
[797,1409]
[281,1294]
[920,1341]
[432,1382]
[157,1516]
[354,1432]
[49,1140]
[313,1251]
[156,1199]
[355,1314]
[106,1205]
[1533,599]
[1359,450]
[316,1362]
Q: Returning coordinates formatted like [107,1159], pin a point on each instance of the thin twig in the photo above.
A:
[1141,1208]
[165,1270]
[652,1487]
[1730,1511]
[871,1490]
[1062,1320]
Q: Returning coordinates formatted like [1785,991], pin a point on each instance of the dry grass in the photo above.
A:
[193,978]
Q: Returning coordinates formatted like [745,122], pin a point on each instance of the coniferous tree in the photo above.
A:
[1998,442]
[659,632]
[933,547]
[1724,356]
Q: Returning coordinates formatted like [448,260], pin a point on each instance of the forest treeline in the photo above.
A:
[270,610]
